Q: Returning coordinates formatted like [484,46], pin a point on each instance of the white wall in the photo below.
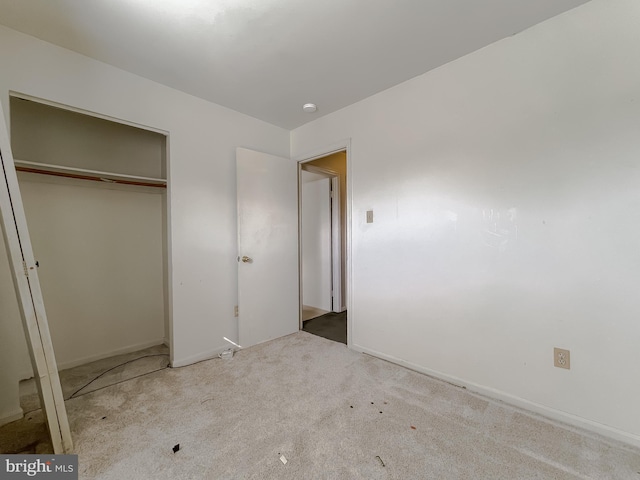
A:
[101,273]
[316,240]
[14,359]
[202,212]
[505,194]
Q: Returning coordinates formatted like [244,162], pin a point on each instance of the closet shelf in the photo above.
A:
[84,174]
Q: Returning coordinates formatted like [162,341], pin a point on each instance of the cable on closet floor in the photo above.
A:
[74,394]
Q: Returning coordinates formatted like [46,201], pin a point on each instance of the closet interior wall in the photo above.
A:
[101,246]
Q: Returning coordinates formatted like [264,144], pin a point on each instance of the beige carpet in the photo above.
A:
[332,413]
[29,435]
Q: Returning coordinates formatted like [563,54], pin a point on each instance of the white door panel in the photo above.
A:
[268,291]
[30,301]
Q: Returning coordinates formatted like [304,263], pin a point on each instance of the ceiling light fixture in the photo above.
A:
[309,107]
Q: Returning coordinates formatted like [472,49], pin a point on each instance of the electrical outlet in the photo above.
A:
[561,358]
[235,311]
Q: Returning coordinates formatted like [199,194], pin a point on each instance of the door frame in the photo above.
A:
[166,202]
[341,146]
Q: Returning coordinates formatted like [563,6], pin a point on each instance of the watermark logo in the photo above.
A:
[51,467]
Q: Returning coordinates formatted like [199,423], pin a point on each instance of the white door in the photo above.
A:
[30,301]
[268,290]
[316,241]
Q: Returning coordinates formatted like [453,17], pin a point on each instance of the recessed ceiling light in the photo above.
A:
[309,107]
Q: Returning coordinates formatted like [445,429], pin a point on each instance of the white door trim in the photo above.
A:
[62,106]
[336,246]
[166,202]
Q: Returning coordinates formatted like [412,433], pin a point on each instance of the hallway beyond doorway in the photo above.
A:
[332,326]
[309,312]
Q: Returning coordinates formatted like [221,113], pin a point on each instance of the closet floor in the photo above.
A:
[29,435]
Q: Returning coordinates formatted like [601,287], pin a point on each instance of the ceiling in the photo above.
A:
[266,58]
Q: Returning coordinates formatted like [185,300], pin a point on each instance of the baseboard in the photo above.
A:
[9,417]
[112,353]
[208,355]
[548,412]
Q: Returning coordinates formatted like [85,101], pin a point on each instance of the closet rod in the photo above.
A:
[88,177]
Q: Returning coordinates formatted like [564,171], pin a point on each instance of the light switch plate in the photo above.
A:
[369,216]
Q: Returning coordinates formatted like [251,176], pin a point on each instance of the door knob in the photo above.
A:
[246,259]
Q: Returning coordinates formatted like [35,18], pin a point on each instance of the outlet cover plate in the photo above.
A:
[561,358]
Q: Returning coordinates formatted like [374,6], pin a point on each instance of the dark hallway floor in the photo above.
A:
[332,326]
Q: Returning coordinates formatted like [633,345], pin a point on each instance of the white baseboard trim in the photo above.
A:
[112,353]
[548,412]
[8,417]
[208,355]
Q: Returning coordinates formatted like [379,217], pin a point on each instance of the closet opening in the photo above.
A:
[95,196]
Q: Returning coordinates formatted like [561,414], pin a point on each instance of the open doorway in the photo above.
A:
[323,233]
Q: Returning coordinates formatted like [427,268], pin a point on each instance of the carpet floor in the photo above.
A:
[330,413]
[29,435]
